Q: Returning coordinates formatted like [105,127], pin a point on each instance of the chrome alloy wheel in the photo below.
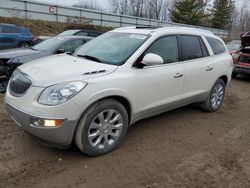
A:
[217,96]
[105,129]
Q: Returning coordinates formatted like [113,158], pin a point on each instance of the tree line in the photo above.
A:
[222,14]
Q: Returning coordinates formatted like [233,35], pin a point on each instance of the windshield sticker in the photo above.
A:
[141,37]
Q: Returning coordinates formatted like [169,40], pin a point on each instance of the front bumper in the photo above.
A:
[61,135]
[241,69]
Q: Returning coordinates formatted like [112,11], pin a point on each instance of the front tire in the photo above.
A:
[216,97]
[102,127]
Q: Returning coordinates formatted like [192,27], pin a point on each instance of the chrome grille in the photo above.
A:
[19,84]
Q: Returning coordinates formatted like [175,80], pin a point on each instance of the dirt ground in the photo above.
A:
[182,148]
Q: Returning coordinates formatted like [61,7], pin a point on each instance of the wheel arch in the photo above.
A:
[123,100]
[120,98]
[224,78]
[21,42]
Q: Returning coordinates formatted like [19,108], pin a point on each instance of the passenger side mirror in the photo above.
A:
[152,59]
[60,51]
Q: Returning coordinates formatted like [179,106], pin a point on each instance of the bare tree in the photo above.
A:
[137,8]
[241,19]
[119,6]
[154,9]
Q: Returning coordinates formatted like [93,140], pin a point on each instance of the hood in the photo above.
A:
[245,40]
[22,55]
[16,52]
[63,68]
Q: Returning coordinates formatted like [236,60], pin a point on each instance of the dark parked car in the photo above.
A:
[12,36]
[242,58]
[79,32]
[12,58]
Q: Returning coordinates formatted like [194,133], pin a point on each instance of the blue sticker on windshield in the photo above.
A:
[135,36]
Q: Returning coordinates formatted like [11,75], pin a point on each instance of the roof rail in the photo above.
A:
[147,27]
[186,28]
[138,27]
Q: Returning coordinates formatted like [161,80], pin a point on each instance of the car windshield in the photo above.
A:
[68,33]
[49,44]
[112,48]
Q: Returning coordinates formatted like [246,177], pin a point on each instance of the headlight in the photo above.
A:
[60,93]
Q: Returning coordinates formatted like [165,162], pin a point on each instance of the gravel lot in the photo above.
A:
[182,148]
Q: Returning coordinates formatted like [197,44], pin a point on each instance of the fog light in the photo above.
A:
[46,122]
[52,123]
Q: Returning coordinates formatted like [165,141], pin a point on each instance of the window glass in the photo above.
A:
[49,44]
[82,33]
[112,47]
[10,29]
[216,45]
[204,48]
[71,45]
[68,32]
[94,34]
[165,47]
[191,47]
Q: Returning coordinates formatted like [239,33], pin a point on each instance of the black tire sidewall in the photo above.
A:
[22,45]
[90,115]
[234,74]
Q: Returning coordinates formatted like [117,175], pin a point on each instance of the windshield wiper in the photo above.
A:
[90,58]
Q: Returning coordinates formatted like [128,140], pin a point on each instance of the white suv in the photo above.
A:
[93,95]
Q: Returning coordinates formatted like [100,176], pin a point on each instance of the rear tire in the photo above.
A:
[234,75]
[102,127]
[24,45]
[216,97]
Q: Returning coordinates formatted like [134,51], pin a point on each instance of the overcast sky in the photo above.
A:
[103,3]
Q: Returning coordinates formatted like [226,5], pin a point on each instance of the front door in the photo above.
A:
[160,86]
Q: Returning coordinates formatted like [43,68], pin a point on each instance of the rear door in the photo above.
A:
[199,70]
[160,86]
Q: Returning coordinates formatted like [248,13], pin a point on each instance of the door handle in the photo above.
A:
[209,68]
[178,75]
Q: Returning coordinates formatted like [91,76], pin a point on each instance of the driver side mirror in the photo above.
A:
[60,51]
[152,59]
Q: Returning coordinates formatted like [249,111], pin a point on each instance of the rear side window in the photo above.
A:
[166,47]
[216,45]
[94,34]
[192,47]
[82,33]
[10,29]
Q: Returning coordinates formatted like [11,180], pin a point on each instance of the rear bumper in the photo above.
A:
[241,69]
[61,135]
